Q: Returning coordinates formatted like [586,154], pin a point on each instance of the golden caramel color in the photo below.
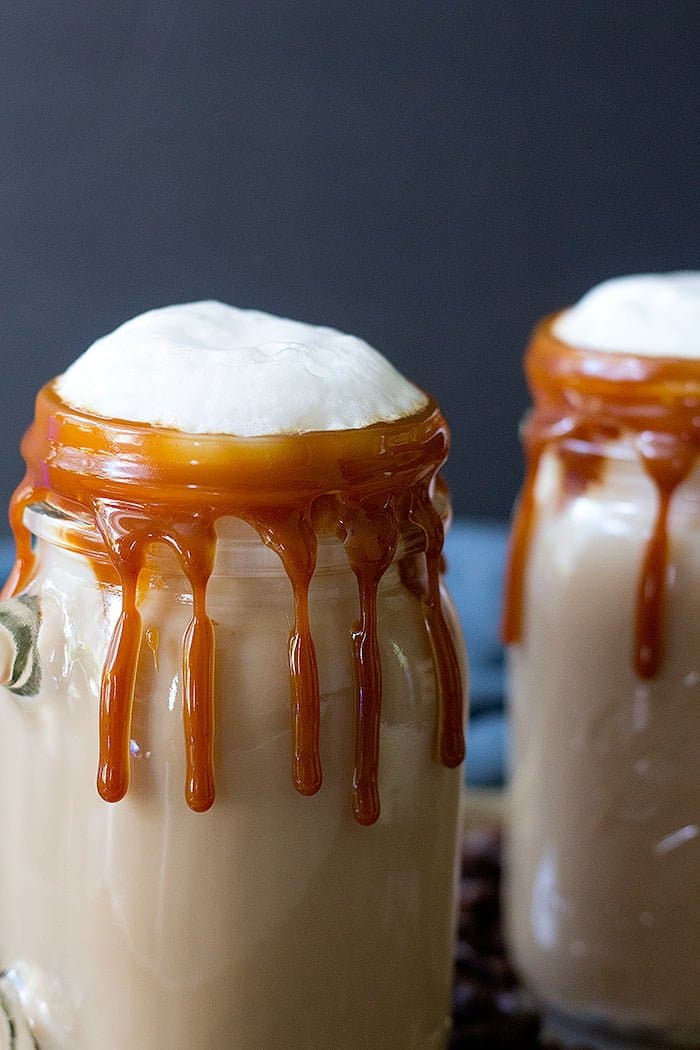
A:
[583,400]
[140,485]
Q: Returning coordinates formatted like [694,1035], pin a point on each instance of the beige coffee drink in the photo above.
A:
[603,620]
[232,725]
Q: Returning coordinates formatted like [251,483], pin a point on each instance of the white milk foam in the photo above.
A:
[209,368]
[656,315]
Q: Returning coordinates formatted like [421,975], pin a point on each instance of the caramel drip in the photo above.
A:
[25,561]
[450,735]
[128,531]
[369,533]
[196,546]
[145,485]
[583,399]
[117,695]
[579,469]
[667,464]
[292,537]
[518,550]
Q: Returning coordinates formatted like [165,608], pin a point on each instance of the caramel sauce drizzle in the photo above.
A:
[518,548]
[26,493]
[369,534]
[142,485]
[667,464]
[294,540]
[450,715]
[583,399]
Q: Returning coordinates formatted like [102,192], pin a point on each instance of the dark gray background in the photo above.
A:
[432,176]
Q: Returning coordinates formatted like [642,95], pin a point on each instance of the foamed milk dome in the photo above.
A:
[209,368]
[656,315]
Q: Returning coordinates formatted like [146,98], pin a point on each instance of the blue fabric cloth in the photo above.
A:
[475,555]
[7,553]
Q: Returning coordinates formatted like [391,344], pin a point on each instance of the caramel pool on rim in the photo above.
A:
[142,484]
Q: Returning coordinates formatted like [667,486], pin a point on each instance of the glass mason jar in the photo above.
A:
[603,620]
[268,919]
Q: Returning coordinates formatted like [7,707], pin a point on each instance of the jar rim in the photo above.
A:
[636,391]
[137,484]
[80,457]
